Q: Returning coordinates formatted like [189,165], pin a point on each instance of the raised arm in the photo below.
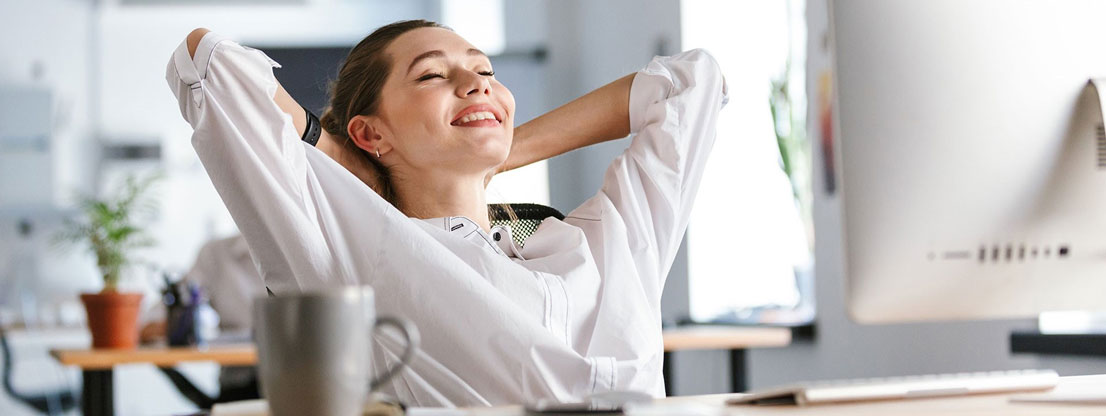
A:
[353,162]
[599,116]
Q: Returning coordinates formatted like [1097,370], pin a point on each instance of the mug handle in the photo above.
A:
[410,333]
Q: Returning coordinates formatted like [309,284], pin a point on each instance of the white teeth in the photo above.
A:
[480,115]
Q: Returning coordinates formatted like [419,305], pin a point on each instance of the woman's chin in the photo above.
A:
[492,149]
[490,158]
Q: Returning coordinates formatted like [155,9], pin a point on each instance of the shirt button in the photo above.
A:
[496,236]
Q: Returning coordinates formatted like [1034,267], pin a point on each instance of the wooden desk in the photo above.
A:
[97,397]
[734,338]
[96,365]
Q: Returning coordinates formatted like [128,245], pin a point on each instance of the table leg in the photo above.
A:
[737,371]
[666,372]
[97,397]
[187,389]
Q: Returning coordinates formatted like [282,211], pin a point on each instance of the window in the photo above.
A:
[750,236]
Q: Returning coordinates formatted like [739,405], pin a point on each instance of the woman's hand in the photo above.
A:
[599,116]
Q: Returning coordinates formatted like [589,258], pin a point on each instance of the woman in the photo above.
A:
[418,115]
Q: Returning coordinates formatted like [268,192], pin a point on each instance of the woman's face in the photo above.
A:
[441,107]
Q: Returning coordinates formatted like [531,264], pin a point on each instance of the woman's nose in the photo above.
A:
[474,83]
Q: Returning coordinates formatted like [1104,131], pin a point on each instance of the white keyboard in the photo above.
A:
[903,387]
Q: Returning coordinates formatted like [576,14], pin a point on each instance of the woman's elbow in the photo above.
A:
[706,70]
[193,40]
[705,63]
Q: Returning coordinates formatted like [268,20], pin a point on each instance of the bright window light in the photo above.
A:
[747,240]
[478,21]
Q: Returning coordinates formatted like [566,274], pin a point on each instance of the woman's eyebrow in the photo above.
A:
[437,53]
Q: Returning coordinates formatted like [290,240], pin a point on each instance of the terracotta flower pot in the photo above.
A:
[113,318]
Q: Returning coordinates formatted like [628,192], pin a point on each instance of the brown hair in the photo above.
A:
[357,89]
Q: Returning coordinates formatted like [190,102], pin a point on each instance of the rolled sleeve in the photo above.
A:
[254,157]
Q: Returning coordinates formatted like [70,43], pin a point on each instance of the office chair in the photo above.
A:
[525,220]
[50,403]
[201,399]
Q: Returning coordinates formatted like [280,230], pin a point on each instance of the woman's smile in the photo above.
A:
[479,115]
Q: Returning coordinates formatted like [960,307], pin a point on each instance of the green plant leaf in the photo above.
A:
[110,228]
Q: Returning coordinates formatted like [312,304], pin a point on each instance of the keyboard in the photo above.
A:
[894,388]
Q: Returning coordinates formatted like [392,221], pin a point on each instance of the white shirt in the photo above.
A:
[574,312]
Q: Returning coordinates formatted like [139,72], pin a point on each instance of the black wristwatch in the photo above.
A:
[314,129]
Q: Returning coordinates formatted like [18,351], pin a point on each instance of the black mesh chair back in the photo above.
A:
[522,218]
[50,403]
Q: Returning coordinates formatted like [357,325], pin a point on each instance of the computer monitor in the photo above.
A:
[973,157]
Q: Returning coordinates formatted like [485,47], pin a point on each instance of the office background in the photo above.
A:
[112,117]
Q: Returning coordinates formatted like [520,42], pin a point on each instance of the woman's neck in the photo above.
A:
[444,195]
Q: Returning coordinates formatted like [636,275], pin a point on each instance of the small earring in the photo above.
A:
[378,153]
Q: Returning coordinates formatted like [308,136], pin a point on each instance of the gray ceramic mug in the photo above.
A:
[315,350]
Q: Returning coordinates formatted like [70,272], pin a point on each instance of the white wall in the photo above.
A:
[590,44]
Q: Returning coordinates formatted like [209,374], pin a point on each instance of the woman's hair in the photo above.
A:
[357,91]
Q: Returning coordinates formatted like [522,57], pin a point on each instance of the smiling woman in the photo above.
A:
[418,115]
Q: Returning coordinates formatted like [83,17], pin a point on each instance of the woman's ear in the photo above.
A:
[369,134]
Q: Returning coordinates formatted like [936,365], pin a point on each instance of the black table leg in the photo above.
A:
[97,398]
[187,389]
[666,372]
[737,371]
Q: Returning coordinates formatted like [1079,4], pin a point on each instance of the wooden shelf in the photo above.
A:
[244,354]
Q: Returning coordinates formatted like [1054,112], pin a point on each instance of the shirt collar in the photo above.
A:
[499,240]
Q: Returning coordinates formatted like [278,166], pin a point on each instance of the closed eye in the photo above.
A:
[430,76]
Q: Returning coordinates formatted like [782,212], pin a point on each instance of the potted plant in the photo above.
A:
[110,228]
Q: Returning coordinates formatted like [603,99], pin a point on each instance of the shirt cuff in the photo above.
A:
[662,77]
[651,85]
[603,374]
[204,51]
[192,70]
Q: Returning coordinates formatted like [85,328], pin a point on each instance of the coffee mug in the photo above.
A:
[315,350]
